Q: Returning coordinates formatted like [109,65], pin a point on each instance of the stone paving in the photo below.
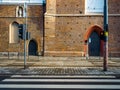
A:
[59,71]
[60,66]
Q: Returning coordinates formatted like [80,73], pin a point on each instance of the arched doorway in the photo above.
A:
[32,48]
[94,45]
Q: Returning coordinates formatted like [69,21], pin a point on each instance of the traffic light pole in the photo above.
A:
[105,63]
[25,6]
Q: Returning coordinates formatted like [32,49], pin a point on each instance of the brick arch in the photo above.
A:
[93,28]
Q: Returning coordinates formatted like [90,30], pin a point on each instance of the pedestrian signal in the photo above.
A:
[102,35]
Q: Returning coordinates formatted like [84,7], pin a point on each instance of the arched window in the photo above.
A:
[94,6]
[13,33]
[19,11]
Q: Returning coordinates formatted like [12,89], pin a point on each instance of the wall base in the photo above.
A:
[64,53]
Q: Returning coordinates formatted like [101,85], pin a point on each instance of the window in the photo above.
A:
[94,6]
[13,33]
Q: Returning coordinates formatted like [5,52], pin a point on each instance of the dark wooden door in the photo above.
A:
[32,48]
[94,45]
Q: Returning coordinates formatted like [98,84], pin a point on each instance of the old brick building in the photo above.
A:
[11,15]
[68,28]
[63,30]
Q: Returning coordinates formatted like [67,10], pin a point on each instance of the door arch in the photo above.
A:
[93,31]
[32,48]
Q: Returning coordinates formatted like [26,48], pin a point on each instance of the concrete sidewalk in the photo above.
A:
[59,62]
[60,66]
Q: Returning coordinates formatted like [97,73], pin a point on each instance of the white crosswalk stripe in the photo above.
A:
[61,80]
[96,87]
[21,82]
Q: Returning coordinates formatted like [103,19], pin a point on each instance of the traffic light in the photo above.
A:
[28,34]
[102,35]
[21,28]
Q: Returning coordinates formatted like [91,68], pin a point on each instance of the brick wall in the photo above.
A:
[114,35]
[65,6]
[70,6]
[65,27]
[35,27]
[114,27]
[114,6]
[7,10]
[68,36]
[65,33]
[51,6]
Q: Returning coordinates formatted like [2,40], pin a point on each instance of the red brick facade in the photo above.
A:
[35,27]
[64,29]
[67,27]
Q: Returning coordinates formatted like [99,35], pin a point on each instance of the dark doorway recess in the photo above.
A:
[32,48]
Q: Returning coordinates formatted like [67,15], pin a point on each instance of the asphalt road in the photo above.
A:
[36,82]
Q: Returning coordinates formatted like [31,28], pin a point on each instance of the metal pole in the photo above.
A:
[25,13]
[105,64]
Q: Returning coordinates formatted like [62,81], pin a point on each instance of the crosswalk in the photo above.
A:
[36,82]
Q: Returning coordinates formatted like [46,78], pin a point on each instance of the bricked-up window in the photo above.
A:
[19,11]
[94,6]
[13,33]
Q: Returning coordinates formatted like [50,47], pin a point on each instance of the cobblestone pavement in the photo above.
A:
[59,71]
[60,66]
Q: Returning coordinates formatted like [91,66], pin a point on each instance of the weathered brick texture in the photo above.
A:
[71,24]
[35,27]
[64,27]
